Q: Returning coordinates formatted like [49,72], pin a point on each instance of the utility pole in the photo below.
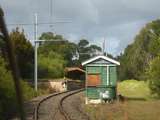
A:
[36,42]
[51,12]
[35,50]
[103,48]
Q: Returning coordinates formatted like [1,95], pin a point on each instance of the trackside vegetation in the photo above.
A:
[8,101]
[134,89]
[141,59]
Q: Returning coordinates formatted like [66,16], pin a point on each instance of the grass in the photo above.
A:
[132,109]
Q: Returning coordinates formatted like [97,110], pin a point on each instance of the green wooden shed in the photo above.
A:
[101,79]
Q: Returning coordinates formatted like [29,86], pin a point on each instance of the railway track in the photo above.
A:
[51,107]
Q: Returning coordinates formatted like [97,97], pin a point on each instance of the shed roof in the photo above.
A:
[69,69]
[101,57]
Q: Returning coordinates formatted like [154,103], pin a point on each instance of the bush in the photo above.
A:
[153,73]
[8,101]
[7,92]
[134,89]
[27,91]
[51,66]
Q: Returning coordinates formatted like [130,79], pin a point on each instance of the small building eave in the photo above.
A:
[102,57]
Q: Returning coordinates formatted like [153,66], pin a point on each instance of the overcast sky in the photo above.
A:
[118,21]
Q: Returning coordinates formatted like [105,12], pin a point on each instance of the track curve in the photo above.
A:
[51,107]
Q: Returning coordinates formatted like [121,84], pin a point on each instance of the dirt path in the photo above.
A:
[73,106]
[49,110]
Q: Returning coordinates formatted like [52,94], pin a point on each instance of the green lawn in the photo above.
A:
[141,108]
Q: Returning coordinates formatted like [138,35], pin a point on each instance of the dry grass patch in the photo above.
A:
[130,110]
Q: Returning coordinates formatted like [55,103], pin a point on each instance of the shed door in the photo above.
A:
[112,75]
[93,80]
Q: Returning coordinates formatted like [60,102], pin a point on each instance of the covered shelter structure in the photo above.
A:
[75,73]
[75,78]
[101,79]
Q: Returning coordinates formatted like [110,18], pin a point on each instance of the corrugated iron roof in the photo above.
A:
[68,69]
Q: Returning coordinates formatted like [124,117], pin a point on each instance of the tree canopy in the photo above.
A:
[140,59]
[24,53]
[62,53]
[137,56]
[87,50]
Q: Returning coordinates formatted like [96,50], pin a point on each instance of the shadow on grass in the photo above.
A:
[134,98]
[125,98]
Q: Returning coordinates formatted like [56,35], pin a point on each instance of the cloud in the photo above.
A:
[117,21]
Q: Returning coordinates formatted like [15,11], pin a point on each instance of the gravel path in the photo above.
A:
[73,107]
[49,110]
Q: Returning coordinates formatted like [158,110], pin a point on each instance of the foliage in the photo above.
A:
[153,73]
[2,47]
[27,91]
[86,51]
[134,89]
[8,101]
[54,56]
[137,56]
[63,47]
[50,65]
[7,92]
[24,53]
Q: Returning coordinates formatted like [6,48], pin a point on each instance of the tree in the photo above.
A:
[68,51]
[137,56]
[87,51]
[63,47]
[24,53]
[51,65]
[83,50]
[2,46]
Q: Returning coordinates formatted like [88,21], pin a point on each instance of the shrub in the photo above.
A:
[8,101]
[153,73]
[51,66]
[7,92]
[134,89]
[27,91]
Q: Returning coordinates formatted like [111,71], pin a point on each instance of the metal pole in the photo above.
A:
[103,46]
[35,51]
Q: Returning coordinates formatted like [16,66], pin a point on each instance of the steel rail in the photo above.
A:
[43,100]
[60,104]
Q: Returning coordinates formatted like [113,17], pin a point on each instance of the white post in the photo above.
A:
[35,51]
[107,75]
